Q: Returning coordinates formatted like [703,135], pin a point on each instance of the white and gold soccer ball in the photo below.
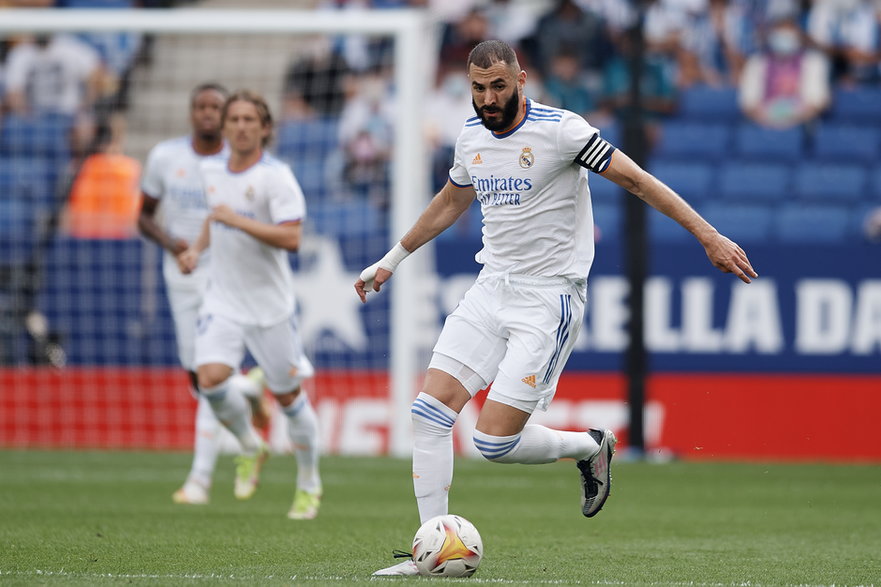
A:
[447,546]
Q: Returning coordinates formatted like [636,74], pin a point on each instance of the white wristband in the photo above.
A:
[389,262]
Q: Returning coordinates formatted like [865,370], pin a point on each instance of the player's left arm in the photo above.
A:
[284,235]
[724,253]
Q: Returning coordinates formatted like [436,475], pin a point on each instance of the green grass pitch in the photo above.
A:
[86,518]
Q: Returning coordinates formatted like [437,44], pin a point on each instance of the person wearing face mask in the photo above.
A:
[786,84]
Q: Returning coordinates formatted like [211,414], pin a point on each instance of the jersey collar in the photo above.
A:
[519,124]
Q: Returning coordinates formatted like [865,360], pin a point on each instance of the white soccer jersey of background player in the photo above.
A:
[172,176]
[534,197]
[249,281]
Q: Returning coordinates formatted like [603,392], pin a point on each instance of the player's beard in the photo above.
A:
[509,113]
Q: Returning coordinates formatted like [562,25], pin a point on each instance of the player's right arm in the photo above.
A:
[443,210]
[148,227]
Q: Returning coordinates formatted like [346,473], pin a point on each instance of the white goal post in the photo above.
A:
[413,56]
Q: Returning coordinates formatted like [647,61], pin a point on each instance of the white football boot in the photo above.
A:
[191,493]
[596,476]
[404,569]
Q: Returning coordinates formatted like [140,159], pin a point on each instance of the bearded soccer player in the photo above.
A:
[527,164]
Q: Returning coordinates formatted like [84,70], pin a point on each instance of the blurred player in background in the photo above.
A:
[171,183]
[527,164]
[256,214]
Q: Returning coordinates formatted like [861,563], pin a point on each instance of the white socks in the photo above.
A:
[231,408]
[536,445]
[207,445]
[303,431]
[432,455]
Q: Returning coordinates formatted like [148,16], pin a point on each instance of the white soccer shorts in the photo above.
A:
[277,349]
[184,303]
[516,332]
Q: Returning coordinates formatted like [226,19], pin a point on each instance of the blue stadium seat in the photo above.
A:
[875,185]
[693,181]
[813,223]
[607,219]
[308,147]
[694,140]
[46,136]
[744,223]
[356,218]
[760,143]
[754,181]
[30,179]
[604,191]
[861,105]
[847,143]
[709,104]
[663,229]
[831,182]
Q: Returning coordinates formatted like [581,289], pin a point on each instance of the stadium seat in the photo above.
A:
[754,181]
[831,182]
[847,143]
[45,136]
[29,179]
[875,185]
[693,181]
[663,229]
[744,223]
[349,218]
[307,146]
[813,223]
[604,191]
[709,104]
[694,140]
[607,220]
[860,105]
[760,143]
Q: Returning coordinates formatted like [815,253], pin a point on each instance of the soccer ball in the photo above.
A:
[447,546]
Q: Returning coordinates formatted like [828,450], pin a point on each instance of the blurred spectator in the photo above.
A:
[658,90]
[361,52]
[448,107]
[872,225]
[847,31]
[787,84]
[509,20]
[566,87]
[567,26]
[463,35]
[105,196]
[366,137]
[316,82]
[710,46]
[56,74]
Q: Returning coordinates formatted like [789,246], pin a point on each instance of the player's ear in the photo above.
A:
[521,78]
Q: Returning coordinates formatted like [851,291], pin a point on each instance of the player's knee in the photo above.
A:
[431,417]
[495,448]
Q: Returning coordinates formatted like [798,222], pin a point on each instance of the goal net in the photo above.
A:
[87,345]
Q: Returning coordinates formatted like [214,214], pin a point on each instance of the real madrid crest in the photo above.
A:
[249,193]
[526,158]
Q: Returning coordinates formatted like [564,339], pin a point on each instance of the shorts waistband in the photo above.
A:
[531,280]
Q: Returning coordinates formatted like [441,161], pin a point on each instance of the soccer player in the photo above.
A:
[173,210]
[528,166]
[256,213]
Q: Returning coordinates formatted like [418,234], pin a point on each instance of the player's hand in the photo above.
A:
[371,278]
[187,261]
[728,257]
[179,245]
[224,214]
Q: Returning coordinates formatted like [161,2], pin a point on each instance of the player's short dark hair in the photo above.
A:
[488,53]
[206,87]
[259,103]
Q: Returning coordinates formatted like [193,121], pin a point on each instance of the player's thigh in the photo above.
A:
[184,305]
[279,352]
[471,338]
[543,326]
[219,340]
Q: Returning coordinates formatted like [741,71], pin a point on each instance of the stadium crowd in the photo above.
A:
[773,105]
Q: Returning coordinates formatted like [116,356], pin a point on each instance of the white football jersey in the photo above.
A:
[172,176]
[249,281]
[532,186]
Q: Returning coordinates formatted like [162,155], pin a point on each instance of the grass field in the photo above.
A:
[96,518]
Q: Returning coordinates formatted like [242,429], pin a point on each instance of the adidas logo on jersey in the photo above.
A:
[477,160]
[529,380]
